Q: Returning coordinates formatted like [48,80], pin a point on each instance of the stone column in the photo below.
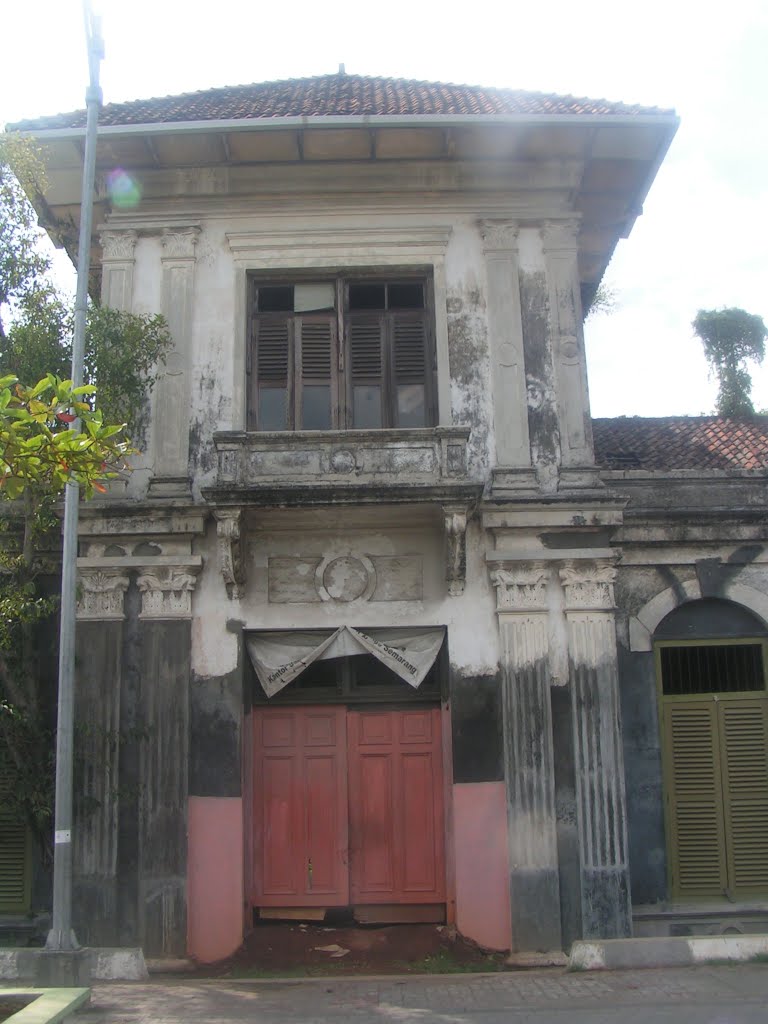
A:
[575,426]
[99,640]
[598,758]
[165,638]
[172,395]
[505,330]
[117,263]
[521,604]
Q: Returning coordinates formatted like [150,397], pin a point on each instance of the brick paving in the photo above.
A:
[694,995]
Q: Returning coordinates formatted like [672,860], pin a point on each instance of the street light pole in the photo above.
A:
[62,936]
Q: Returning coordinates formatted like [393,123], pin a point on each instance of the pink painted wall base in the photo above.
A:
[215,877]
[482,863]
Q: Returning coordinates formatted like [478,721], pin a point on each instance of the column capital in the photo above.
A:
[179,243]
[588,585]
[118,246]
[101,593]
[521,587]
[166,593]
[560,235]
[499,236]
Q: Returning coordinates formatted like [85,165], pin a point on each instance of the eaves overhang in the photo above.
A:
[667,121]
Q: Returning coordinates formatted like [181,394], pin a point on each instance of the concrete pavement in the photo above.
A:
[694,995]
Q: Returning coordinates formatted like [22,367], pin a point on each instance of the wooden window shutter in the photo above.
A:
[368,395]
[15,870]
[316,391]
[694,799]
[409,337]
[272,350]
[411,372]
[366,336]
[744,744]
[270,363]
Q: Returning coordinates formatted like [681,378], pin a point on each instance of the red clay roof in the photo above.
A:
[335,95]
[681,442]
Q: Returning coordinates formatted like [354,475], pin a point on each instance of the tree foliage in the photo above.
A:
[40,450]
[731,338]
[23,264]
[123,351]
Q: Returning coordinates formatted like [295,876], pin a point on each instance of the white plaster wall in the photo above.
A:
[218,325]
[470,619]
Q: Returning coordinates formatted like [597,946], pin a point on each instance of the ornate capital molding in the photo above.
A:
[455,520]
[521,588]
[101,594]
[499,236]
[560,234]
[118,245]
[179,243]
[588,586]
[166,593]
[231,551]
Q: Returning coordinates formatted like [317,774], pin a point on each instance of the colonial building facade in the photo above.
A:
[369,614]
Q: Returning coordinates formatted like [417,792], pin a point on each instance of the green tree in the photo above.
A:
[23,264]
[731,338]
[39,452]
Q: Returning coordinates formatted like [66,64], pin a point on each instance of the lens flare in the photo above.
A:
[124,191]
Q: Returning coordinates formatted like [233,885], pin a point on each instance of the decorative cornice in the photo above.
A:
[118,246]
[166,593]
[521,588]
[100,594]
[499,236]
[588,586]
[179,243]
[231,551]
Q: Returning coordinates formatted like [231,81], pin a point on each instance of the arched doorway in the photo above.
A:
[711,668]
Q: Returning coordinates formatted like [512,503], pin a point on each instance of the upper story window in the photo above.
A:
[337,353]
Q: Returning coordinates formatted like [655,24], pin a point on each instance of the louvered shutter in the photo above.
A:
[366,335]
[744,745]
[316,396]
[271,368]
[694,799]
[14,856]
[409,344]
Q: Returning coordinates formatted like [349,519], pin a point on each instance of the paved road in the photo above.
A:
[694,995]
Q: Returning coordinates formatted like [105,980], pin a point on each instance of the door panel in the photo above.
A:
[716,753]
[300,807]
[396,807]
[744,741]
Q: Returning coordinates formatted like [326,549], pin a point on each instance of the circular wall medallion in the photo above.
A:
[345,578]
[343,461]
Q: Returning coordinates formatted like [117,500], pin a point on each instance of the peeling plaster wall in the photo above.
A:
[472,637]
[468,345]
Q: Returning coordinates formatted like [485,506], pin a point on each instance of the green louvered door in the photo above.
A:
[15,874]
[716,761]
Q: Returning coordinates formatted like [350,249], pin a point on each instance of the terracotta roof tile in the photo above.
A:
[681,442]
[335,95]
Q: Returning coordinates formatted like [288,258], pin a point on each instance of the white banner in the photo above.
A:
[279,657]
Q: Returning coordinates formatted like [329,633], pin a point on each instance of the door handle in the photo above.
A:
[309,874]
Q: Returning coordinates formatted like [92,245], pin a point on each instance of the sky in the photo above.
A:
[702,239]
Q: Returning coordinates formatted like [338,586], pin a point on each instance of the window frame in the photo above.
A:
[341,379]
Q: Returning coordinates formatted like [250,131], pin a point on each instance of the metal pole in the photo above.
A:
[61,936]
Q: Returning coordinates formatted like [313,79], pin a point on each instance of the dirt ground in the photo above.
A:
[308,949]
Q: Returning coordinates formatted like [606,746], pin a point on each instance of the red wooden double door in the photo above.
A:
[348,807]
